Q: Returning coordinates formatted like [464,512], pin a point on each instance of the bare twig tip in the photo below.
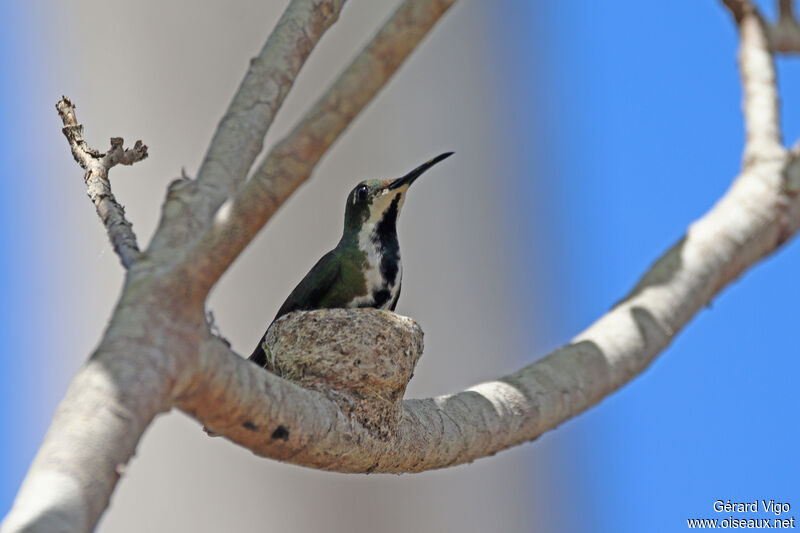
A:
[97,166]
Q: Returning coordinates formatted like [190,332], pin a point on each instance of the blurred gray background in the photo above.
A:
[164,72]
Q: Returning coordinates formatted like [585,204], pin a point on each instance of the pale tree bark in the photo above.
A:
[159,352]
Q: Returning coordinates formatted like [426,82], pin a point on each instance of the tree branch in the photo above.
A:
[170,329]
[240,134]
[739,8]
[290,163]
[760,104]
[144,355]
[98,187]
[758,214]
[785,34]
[158,351]
[755,217]
[238,400]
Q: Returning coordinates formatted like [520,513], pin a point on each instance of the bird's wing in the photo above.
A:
[314,287]
[307,295]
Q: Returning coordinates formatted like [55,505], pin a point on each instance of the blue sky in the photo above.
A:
[625,126]
[18,433]
[642,105]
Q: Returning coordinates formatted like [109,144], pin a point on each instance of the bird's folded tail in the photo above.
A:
[259,356]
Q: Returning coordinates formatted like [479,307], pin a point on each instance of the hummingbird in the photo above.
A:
[364,268]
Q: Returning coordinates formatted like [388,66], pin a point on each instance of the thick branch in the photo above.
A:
[147,352]
[239,401]
[92,436]
[758,214]
[240,135]
[97,165]
[290,163]
[148,359]
[279,419]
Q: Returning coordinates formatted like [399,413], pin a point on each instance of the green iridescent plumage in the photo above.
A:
[364,269]
[334,281]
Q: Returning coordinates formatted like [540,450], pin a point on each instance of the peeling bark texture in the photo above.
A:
[346,369]
[97,165]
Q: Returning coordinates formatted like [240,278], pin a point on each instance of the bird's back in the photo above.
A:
[335,281]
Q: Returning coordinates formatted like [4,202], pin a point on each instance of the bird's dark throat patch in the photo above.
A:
[386,237]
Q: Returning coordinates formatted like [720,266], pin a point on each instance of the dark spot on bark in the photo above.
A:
[372,468]
[281,433]
[250,426]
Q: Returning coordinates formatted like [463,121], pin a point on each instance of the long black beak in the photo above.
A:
[409,178]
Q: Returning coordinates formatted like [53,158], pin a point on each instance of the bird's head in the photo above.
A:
[374,201]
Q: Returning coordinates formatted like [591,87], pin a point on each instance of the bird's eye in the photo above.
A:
[361,193]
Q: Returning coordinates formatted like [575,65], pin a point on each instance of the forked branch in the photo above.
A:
[158,352]
[240,135]
[290,163]
[152,349]
[757,215]
[98,187]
